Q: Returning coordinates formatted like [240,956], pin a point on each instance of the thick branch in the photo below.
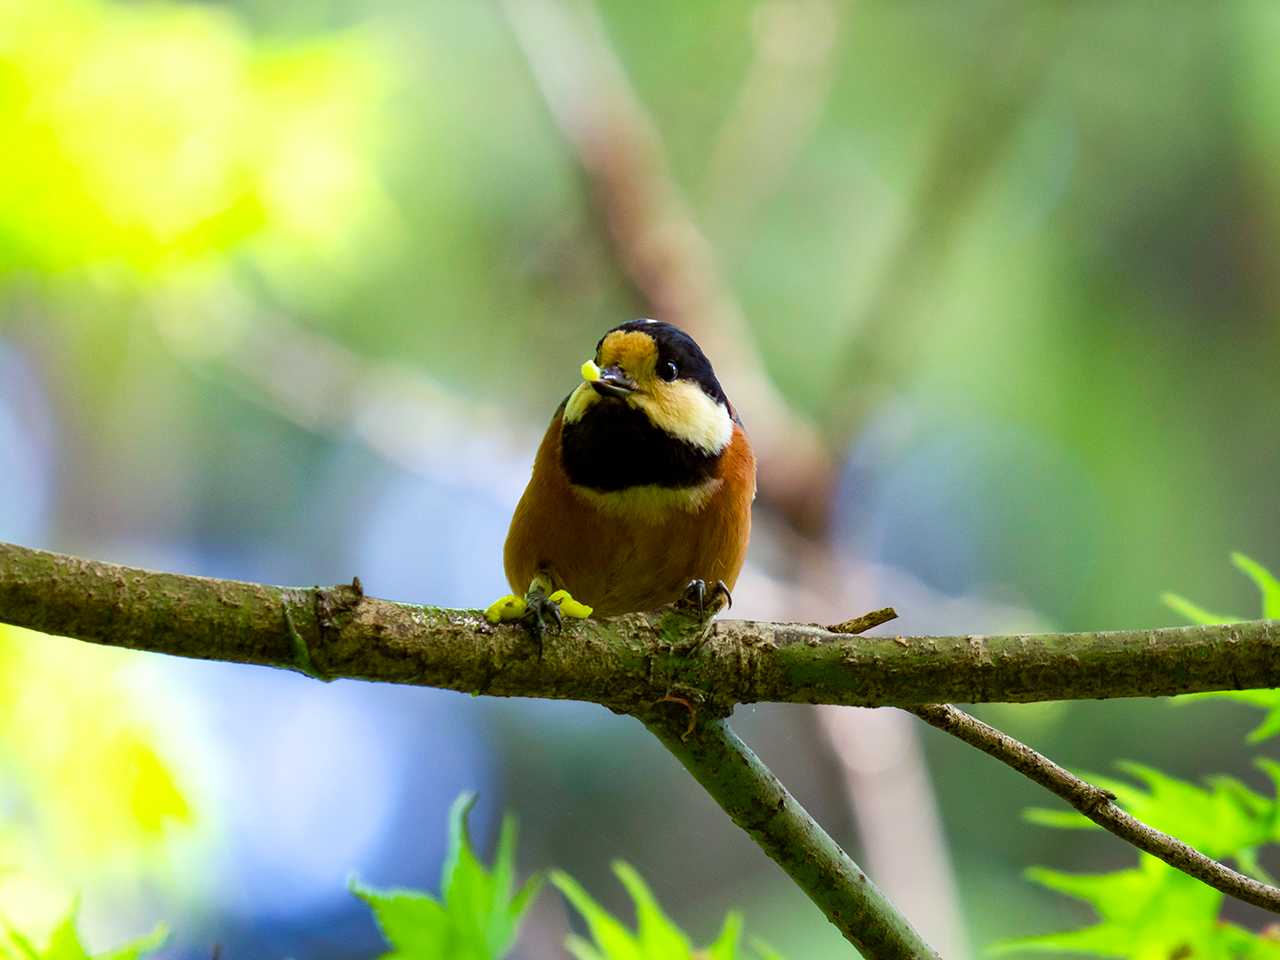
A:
[758,803]
[1098,805]
[625,663]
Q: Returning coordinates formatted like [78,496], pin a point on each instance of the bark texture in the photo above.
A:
[757,802]
[681,676]
[1098,805]
[626,663]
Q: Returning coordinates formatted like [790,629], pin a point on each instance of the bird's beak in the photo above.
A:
[609,382]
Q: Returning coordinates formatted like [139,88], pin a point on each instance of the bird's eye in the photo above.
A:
[668,371]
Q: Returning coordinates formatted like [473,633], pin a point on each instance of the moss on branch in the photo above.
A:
[647,665]
[758,803]
[626,663]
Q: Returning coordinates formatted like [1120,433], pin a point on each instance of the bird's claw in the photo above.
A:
[536,605]
[537,610]
[543,610]
[540,611]
[704,602]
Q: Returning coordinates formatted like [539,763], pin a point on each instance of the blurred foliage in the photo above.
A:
[476,917]
[1154,912]
[64,944]
[148,138]
[89,788]
[157,150]
[655,937]
[1226,819]
[1269,587]
[1030,244]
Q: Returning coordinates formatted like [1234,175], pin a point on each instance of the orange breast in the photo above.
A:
[619,560]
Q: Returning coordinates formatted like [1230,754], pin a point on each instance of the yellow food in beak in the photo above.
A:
[590,372]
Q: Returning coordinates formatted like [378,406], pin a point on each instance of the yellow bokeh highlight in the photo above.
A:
[88,790]
[144,137]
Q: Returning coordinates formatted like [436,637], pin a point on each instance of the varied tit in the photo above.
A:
[641,489]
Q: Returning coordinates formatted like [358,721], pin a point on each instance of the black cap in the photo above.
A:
[677,347]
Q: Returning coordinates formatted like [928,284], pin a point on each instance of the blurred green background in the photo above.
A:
[288,291]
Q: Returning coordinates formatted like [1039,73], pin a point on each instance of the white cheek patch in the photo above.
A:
[683,410]
[583,398]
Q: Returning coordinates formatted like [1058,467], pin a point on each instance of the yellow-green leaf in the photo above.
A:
[476,918]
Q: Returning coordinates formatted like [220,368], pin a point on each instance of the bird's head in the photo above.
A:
[658,369]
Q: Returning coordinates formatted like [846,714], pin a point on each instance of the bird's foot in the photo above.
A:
[569,607]
[542,609]
[704,601]
[506,609]
[537,608]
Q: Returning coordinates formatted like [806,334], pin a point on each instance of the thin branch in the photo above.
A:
[757,802]
[1098,805]
[865,622]
[638,663]
[626,663]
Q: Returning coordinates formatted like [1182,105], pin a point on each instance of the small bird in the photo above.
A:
[641,489]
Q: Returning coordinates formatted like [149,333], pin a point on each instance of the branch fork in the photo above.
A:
[636,663]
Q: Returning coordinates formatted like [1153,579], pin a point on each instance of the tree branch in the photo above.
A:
[757,802]
[1098,805]
[626,663]
[638,663]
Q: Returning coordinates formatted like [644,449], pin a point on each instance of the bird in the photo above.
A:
[641,490]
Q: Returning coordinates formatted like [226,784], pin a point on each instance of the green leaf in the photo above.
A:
[1152,911]
[412,923]
[1270,725]
[1220,818]
[1098,940]
[1268,700]
[64,943]
[1116,896]
[1271,768]
[504,876]
[1240,944]
[1155,911]
[1266,582]
[1194,612]
[656,937]
[21,943]
[725,946]
[1218,821]
[476,918]
[613,940]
